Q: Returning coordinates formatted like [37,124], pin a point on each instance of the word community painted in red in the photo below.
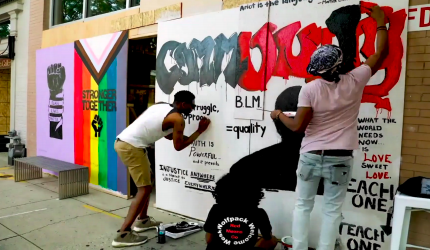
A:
[311,37]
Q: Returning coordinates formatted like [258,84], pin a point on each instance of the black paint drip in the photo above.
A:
[343,23]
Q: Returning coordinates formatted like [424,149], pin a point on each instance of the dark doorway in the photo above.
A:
[141,85]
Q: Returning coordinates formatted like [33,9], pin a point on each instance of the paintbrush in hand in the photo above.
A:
[289,114]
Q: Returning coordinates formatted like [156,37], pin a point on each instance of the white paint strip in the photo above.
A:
[22,213]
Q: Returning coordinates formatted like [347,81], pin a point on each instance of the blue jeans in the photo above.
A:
[336,172]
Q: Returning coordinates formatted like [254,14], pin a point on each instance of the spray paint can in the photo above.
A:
[161,234]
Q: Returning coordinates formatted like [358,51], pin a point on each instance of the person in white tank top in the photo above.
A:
[158,121]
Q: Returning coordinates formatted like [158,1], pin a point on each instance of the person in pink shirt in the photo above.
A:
[327,112]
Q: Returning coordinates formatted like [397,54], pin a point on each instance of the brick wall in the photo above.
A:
[4,101]
[35,42]
[416,127]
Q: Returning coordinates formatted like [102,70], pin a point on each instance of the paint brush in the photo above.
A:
[289,114]
[265,110]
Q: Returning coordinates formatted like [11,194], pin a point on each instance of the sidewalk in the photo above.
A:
[32,217]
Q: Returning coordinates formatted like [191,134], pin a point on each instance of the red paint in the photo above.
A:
[286,64]
[424,23]
[392,65]
[79,147]
[377,175]
[412,10]
[252,80]
[378,158]
[234,231]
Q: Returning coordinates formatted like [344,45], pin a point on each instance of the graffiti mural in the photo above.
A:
[56,78]
[234,63]
[55,101]
[277,44]
[100,95]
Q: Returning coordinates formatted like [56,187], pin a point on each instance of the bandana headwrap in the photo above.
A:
[325,62]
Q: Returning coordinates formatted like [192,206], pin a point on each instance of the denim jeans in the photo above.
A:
[336,172]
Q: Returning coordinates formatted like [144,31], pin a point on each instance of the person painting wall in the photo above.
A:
[327,111]
[161,120]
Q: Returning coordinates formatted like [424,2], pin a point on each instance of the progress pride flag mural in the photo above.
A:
[236,62]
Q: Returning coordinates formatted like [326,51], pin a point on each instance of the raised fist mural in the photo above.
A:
[56,77]
[97,125]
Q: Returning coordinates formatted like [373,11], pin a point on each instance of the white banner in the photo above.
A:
[282,47]
[419,17]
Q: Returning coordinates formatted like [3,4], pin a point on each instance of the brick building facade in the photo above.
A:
[416,124]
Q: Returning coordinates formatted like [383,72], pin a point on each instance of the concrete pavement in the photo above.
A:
[32,217]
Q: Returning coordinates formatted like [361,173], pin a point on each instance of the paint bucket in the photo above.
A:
[287,243]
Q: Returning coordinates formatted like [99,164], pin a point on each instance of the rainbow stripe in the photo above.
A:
[95,152]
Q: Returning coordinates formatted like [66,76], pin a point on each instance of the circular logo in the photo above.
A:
[235,231]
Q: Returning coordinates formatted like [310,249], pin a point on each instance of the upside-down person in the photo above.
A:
[158,121]
[327,111]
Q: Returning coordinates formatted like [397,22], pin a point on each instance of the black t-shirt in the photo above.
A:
[235,228]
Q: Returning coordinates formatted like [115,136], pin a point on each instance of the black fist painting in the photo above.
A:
[97,125]
[56,75]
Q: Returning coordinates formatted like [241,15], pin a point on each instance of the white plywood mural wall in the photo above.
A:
[240,61]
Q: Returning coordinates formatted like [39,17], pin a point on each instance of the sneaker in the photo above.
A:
[146,224]
[127,239]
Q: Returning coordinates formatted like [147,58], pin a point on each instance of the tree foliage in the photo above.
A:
[4,30]
[73,9]
[98,7]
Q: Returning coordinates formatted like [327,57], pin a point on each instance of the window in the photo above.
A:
[134,3]
[4,29]
[67,11]
[98,7]
[64,11]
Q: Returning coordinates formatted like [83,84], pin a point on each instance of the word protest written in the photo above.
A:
[207,110]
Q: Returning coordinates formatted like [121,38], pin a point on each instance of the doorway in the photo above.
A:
[141,75]
[4,103]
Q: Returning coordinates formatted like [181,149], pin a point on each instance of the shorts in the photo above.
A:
[137,162]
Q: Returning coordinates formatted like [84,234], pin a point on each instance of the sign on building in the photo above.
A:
[419,17]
